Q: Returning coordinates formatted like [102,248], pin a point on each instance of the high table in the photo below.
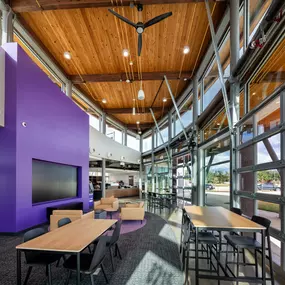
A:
[221,219]
[69,239]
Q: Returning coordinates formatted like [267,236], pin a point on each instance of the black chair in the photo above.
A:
[36,258]
[112,241]
[64,221]
[246,242]
[236,211]
[88,262]
[207,240]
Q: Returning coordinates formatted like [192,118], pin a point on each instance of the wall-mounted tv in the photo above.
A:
[53,181]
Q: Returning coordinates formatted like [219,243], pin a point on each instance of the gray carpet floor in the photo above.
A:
[150,257]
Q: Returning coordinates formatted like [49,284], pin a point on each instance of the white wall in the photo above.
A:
[104,147]
[115,177]
[2,87]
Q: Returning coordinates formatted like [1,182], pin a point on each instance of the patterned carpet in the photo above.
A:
[150,257]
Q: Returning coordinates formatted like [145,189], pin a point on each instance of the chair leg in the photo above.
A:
[112,261]
[256,263]
[92,279]
[119,253]
[270,260]
[104,273]
[49,275]
[28,274]
[243,255]
[68,277]
[227,252]
[237,265]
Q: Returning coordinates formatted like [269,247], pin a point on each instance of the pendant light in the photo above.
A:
[141,95]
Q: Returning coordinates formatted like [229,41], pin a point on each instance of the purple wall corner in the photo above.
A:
[56,131]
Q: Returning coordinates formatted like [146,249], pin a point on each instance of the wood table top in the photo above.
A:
[73,237]
[220,218]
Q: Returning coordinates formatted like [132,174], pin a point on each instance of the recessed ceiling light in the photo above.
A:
[253,93]
[67,55]
[185,79]
[277,102]
[186,49]
[134,99]
[104,101]
[131,63]
[125,52]
[138,122]
[164,99]
[128,80]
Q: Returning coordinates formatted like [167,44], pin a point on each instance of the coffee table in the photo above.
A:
[111,211]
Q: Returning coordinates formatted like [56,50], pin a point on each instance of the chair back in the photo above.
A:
[29,235]
[186,227]
[116,233]
[262,221]
[63,222]
[236,211]
[98,254]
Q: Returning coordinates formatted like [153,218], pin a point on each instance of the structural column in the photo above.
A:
[197,192]
[68,89]
[152,161]
[103,123]
[7,24]
[170,164]
[234,97]
[141,168]
[103,177]
[125,139]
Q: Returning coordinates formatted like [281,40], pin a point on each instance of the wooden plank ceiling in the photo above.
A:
[95,39]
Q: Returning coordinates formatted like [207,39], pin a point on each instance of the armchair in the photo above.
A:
[133,212]
[107,203]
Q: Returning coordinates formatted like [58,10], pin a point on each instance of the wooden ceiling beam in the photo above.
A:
[20,6]
[116,77]
[140,126]
[130,110]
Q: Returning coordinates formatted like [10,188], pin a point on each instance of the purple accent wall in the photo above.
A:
[57,131]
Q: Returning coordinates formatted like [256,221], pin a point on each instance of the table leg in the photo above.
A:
[263,257]
[19,267]
[78,269]
[196,257]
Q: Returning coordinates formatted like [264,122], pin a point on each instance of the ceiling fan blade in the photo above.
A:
[123,18]
[157,19]
[139,44]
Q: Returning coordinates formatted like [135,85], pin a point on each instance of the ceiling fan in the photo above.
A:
[140,26]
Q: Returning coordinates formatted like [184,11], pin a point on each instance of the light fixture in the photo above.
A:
[134,111]
[141,95]
[131,63]
[128,80]
[67,55]
[125,52]
[185,79]
[253,93]
[164,99]
[186,49]
[277,102]
[104,101]
[138,122]
[139,132]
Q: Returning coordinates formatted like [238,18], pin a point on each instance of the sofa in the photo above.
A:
[107,203]
[73,215]
[133,211]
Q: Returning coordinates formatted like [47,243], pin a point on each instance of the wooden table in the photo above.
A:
[221,219]
[69,239]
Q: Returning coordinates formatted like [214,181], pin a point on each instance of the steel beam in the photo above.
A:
[7,25]
[175,106]
[161,137]
[220,69]
[68,89]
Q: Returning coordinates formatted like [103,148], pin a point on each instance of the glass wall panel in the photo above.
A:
[269,182]
[268,117]
[133,142]
[219,123]
[114,133]
[268,150]
[147,143]
[269,77]
[246,131]
[94,122]
[164,132]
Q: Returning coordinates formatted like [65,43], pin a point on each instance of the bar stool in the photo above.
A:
[245,242]
[206,239]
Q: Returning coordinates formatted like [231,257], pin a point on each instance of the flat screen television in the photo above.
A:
[53,181]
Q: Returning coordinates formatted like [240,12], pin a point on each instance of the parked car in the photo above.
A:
[210,186]
[268,186]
